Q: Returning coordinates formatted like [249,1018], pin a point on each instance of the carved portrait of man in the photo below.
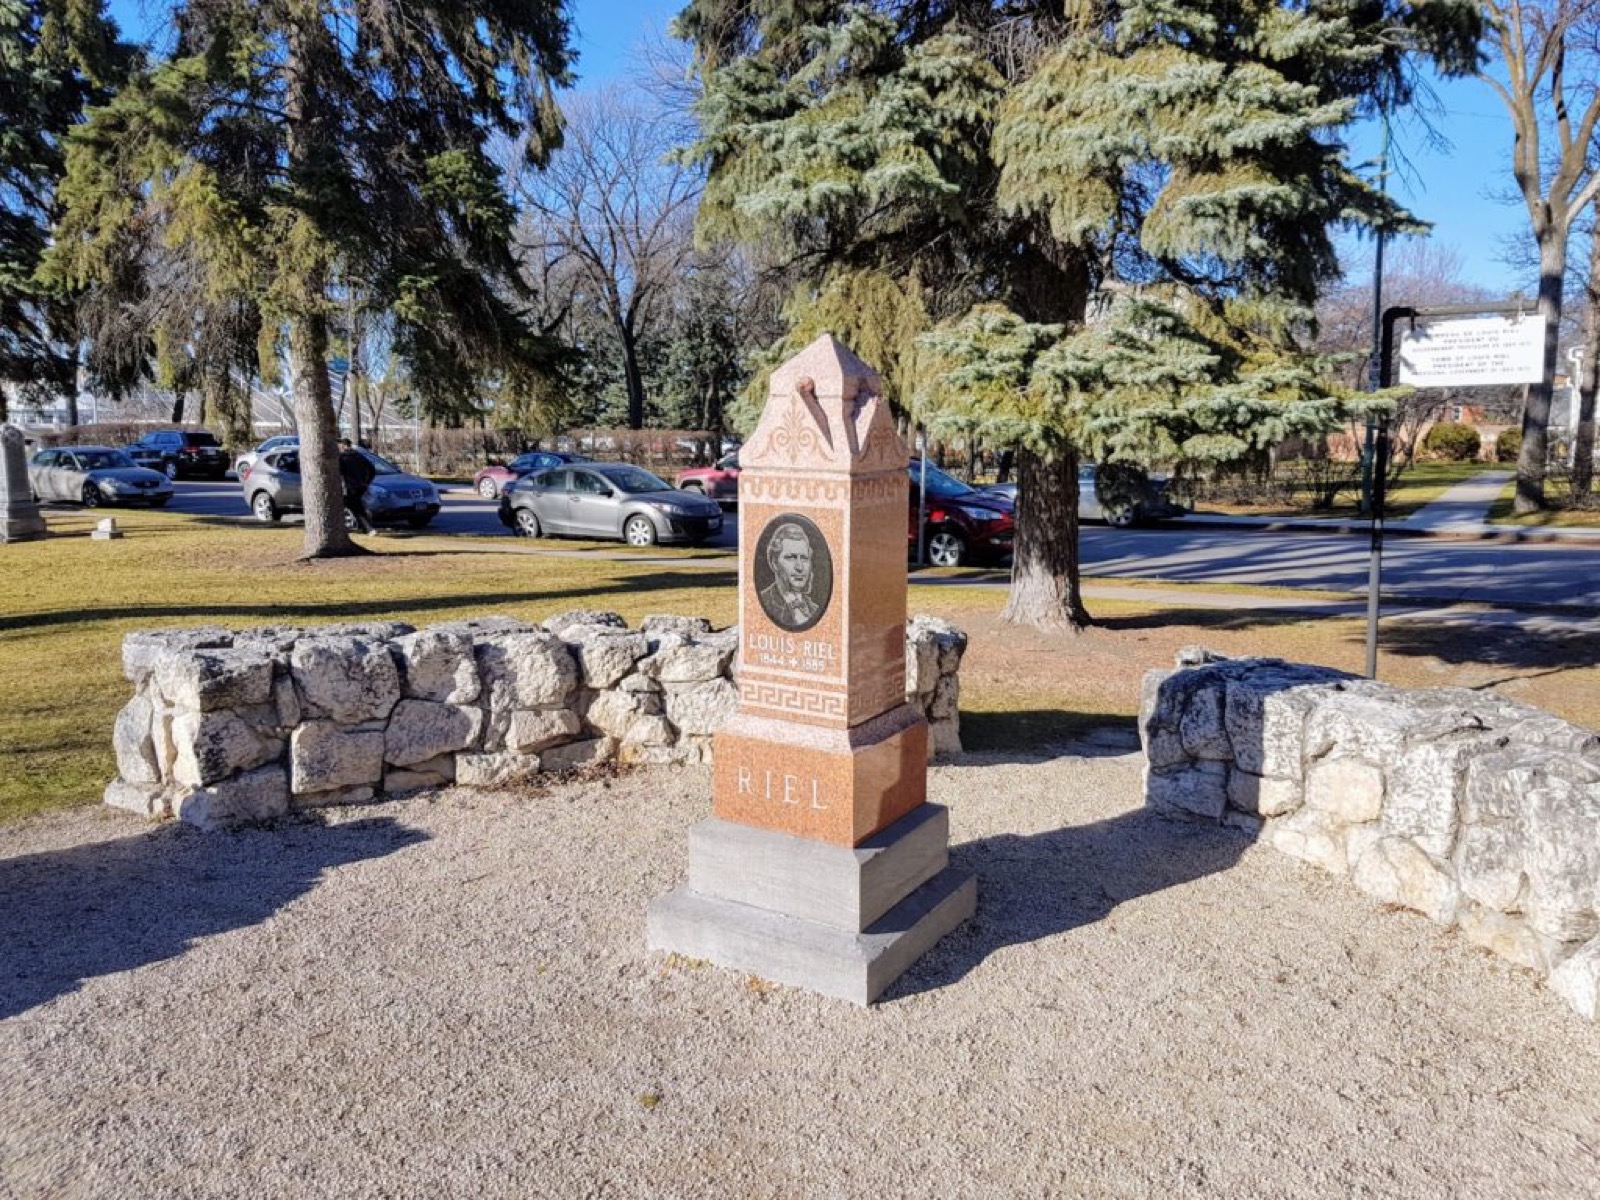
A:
[800,585]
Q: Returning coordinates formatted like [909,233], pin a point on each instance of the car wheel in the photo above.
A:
[170,470]
[639,531]
[262,507]
[946,548]
[1118,513]
[350,522]
[91,496]
[527,523]
[488,488]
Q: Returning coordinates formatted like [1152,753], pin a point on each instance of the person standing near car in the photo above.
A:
[356,473]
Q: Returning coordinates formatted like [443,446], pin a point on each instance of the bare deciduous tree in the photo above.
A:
[611,217]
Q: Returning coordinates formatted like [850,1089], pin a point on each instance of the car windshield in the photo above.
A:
[382,466]
[634,481]
[945,487]
[103,460]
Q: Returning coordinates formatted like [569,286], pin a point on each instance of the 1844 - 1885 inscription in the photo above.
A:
[794,572]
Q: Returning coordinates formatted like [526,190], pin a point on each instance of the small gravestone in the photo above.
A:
[20,519]
[823,865]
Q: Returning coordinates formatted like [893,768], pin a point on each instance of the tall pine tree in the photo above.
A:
[56,58]
[287,145]
[1117,215]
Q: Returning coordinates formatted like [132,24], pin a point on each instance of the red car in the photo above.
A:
[964,524]
[493,480]
[719,483]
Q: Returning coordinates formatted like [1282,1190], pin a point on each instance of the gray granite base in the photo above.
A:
[843,921]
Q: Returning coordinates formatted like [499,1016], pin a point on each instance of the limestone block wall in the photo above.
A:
[226,728]
[1475,811]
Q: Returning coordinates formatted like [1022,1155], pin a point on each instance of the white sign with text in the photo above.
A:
[1469,351]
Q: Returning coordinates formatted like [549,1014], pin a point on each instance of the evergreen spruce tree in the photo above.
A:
[56,58]
[1117,215]
[288,144]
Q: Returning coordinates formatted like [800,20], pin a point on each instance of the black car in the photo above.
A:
[181,452]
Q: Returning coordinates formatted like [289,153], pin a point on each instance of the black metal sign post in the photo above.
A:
[1378,448]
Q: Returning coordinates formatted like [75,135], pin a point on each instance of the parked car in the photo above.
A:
[963,524]
[271,487]
[95,475]
[607,500]
[720,482]
[276,442]
[495,478]
[1121,496]
[179,452]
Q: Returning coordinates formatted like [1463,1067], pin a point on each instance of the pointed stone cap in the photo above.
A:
[825,412]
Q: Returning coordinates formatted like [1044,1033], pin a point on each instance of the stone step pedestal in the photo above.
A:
[845,921]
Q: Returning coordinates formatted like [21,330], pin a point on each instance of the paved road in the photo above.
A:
[1433,568]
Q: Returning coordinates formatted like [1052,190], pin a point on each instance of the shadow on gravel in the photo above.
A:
[1029,735]
[1033,887]
[67,916]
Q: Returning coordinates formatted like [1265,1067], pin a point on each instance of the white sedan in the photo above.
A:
[95,475]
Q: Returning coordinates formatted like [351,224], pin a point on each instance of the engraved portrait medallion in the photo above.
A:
[793,572]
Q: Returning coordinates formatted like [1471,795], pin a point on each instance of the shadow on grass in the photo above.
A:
[1545,652]
[75,914]
[268,612]
[1040,885]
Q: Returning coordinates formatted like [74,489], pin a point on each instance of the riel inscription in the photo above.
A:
[794,572]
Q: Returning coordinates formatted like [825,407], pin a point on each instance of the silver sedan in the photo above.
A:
[607,500]
[95,475]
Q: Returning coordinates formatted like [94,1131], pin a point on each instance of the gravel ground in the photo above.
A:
[450,996]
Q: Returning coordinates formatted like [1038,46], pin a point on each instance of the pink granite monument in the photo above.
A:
[823,865]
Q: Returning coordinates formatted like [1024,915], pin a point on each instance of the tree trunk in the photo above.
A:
[1532,461]
[1589,377]
[72,388]
[1045,585]
[322,492]
[177,407]
[633,377]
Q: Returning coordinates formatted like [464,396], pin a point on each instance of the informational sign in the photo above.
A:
[1471,351]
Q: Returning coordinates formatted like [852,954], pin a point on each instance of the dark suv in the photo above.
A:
[179,452]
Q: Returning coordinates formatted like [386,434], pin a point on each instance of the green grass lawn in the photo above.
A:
[1558,493]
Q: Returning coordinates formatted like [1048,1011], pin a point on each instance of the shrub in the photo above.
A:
[1508,445]
[1457,443]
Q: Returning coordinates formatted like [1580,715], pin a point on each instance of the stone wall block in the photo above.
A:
[575,620]
[1489,865]
[1200,790]
[211,746]
[639,684]
[438,665]
[1313,836]
[648,729]
[701,708]
[1577,980]
[1200,725]
[324,757]
[526,670]
[285,700]
[1265,716]
[589,753]
[1397,871]
[134,747]
[144,649]
[215,679]
[531,731]
[1561,832]
[347,679]
[1350,790]
[258,795]
[612,713]
[946,701]
[434,773]
[684,627]
[1262,795]
[344,797]
[1507,936]
[495,770]
[1359,724]
[1425,785]
[605,655]
[423,729]
[944,738]
[145,799]
[679,661]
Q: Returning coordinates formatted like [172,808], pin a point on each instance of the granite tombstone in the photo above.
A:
[823,865]
[20,518]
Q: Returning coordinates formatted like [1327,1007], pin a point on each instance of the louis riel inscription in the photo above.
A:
[823,864]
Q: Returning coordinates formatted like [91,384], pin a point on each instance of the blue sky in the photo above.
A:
[1455,187]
